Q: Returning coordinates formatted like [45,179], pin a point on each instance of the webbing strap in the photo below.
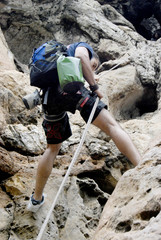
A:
[68,171]
[46,97]
[54,118]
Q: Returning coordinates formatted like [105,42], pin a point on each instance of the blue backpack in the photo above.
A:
[43,64]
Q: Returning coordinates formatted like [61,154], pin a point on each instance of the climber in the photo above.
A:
[56,123]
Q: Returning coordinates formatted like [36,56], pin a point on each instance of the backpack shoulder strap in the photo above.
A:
[46,97]
[53,47]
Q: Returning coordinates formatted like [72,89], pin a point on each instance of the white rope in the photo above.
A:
[68,171]
[118,64]
[115,66]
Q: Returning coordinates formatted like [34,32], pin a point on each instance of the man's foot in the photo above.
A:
[34,205]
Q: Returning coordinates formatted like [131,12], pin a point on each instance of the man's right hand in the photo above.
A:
[99,94]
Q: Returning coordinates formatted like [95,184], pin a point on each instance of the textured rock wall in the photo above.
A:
[133,210]
[31,23]
[132,92]
[144,15]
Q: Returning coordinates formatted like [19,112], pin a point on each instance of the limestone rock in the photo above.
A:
[6,211]
[7,164]
[11,94]
[72,205]
[24,139]
[131,91]
[44,25]
[135,203]
[145,15]
[124,90]
[2,120]
[5,54]
[115,17]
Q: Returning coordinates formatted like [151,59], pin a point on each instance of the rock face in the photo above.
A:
[102,178]
[133,210]
[144,15]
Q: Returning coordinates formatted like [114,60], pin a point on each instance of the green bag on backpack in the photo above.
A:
[69,71]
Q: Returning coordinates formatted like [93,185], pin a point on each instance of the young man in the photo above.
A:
[56,123]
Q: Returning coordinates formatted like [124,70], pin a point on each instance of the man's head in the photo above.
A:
[95,62]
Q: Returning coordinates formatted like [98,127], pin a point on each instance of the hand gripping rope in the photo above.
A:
[68,171]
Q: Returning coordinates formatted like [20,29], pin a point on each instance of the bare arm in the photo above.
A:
[82,53]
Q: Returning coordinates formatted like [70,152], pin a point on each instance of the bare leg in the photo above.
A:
[44,169]
[107,124]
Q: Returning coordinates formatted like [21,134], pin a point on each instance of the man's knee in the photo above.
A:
[106,122]
[54,147]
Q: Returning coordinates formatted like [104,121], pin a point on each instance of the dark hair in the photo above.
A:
[95,55]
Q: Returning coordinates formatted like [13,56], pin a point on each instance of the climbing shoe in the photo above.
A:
[34,205]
